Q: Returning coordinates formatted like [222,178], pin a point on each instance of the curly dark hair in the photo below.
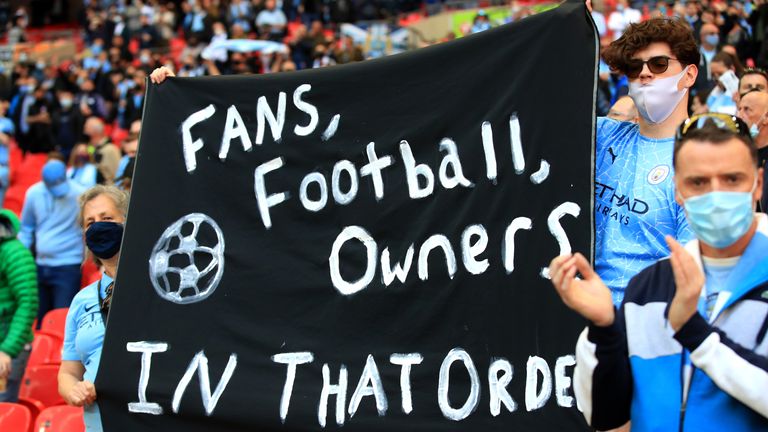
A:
[673,31]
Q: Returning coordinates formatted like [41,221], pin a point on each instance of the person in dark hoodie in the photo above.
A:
[18,305]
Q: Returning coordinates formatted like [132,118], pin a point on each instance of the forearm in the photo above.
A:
[67,382]
[736,370]
[602,378]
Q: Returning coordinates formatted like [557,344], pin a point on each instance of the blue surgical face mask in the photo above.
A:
[720,218]
[754,130]
[712,39]
[103,238]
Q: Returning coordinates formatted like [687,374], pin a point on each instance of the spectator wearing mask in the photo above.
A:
[724,73]
[691,16]
[39,135]
[67,122]
[635,201]
[105,154]
[102,215]
[81,168]
[90,102]
[147,35]
[753,108]
[710,39]
[18,301]
[49,228]
[687,350]
[622,17]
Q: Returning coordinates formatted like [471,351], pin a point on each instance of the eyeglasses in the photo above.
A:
[718,120]
[657,65]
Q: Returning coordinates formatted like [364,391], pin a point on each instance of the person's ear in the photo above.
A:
[758,194]
[689,79]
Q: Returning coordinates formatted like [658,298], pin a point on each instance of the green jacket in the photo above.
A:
[18,287]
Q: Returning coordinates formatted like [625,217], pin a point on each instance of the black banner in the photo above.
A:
[360,245]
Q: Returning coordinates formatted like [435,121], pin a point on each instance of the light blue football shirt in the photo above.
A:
[635,204]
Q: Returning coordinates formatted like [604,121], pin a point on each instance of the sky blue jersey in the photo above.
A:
[635,204]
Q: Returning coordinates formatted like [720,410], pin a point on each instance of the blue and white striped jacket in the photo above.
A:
[709,376]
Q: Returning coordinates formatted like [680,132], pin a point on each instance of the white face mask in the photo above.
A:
[656,101]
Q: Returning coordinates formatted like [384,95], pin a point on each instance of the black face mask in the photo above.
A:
[103,238]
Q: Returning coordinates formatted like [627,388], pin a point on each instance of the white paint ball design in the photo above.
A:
[189,146]
[199,364]
[536,367]
[190,276]
[406,361]
[292,360]
[458,414]
[369,385]
[333,126]
[361,235]
[146,349]
[309,109]
[399,271]
[497,386]
[539,176]
[470,250]
[340,390]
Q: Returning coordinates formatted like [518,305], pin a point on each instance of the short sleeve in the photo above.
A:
[69,351]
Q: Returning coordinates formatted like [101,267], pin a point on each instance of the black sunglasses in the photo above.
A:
[721,121]
[657,65]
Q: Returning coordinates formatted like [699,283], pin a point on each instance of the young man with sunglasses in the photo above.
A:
[688,349]
[634,200]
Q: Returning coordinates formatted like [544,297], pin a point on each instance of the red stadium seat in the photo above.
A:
[54,321]
[60,419]
[14,417]
[35,407]
[46,349]
[40,383]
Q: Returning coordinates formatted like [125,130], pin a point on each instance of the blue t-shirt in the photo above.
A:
[716,273]
[84,338]
[634,203]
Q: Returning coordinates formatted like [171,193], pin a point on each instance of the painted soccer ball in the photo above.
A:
[187,261]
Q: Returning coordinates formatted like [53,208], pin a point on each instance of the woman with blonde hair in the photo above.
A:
[102,214]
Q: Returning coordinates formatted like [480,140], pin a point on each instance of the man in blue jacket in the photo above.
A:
[687,350]
[49,228]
